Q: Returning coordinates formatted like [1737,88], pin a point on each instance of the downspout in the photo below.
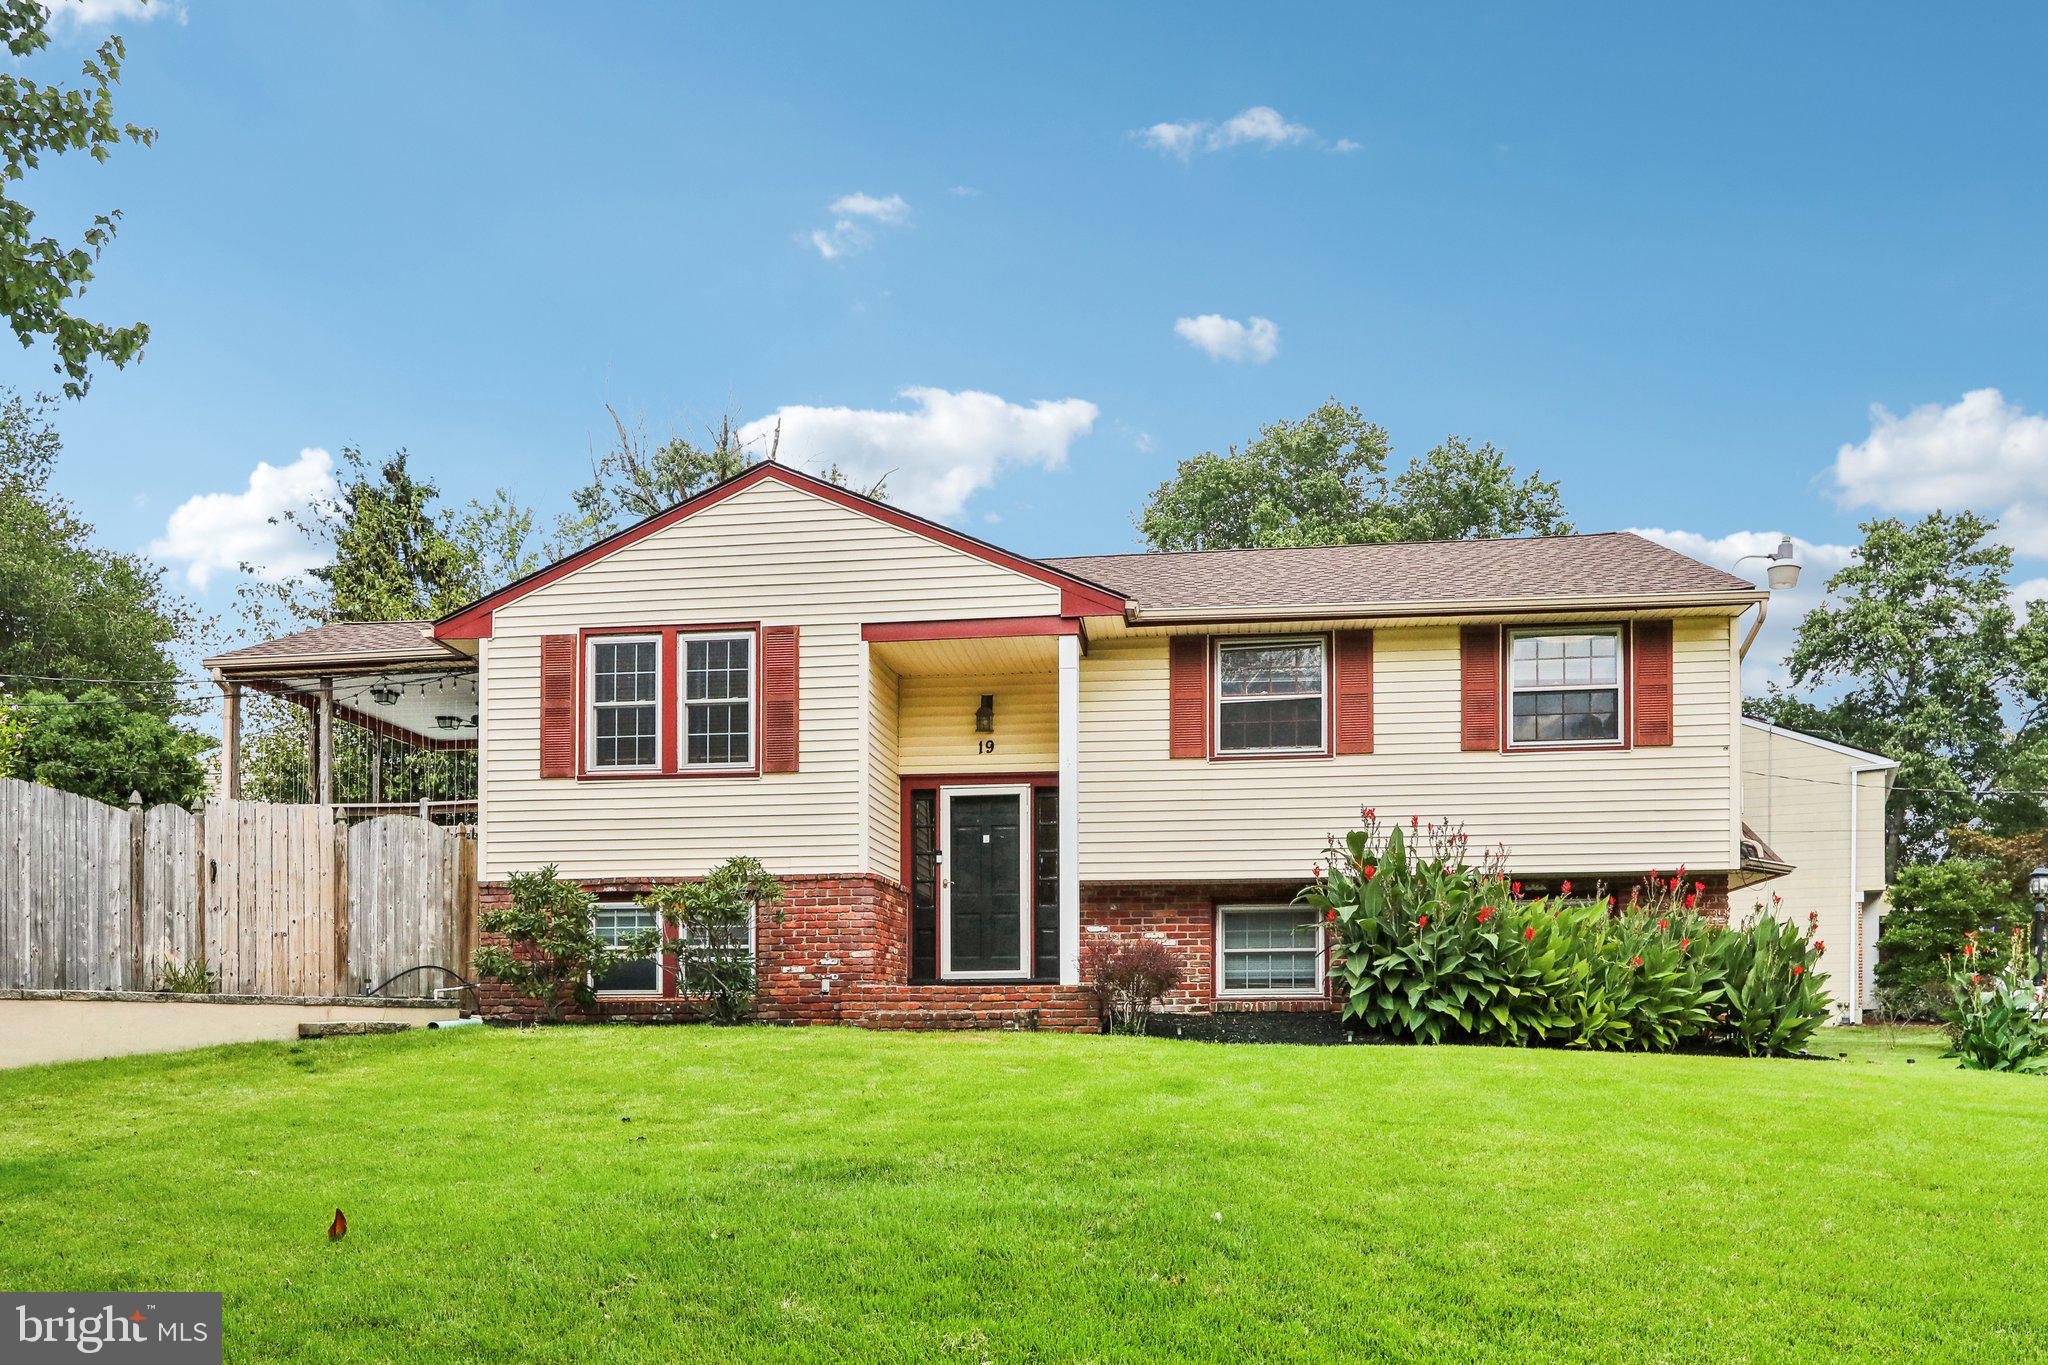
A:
[1763,609]
[1855,992]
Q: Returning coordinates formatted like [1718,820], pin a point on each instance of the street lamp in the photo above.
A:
[2037,887]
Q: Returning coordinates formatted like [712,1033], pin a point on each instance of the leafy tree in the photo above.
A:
[706,923]
[40,277]
[1323,480]
[13,733]
[100,745]
[1929,665]
[70,608]
[1933,906]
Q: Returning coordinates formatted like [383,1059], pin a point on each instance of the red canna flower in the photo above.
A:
[1517,889]
[1798,970]
[1610,902]
[1329,914]
[1528,933]
[1316,871]
[1969,950]
[1663,923]
[1635,962]
[1674,883]
[1683,944]
[1371,872]
[1415,822]
[1368,812]
[1422,923]
[1699,886]
[1975,977]
[1819,948]
[1485,913]
[1565,890]
[1689,900]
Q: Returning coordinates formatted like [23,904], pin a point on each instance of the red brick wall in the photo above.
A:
[1182,916]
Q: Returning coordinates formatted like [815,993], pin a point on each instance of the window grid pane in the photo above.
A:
[624,682]
[1566,688]
[1270,950]
[1270,697]
[613,925]
[717,692]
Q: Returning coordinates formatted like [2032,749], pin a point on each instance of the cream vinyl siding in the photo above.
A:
[1796,796]
[773,554]
[1145,816]
[938,725]
[885,790]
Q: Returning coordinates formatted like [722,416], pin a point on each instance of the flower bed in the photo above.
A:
[1429,946]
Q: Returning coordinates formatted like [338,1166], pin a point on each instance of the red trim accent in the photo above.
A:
[984,628]
[1351,675]
[1626,688]
[1078,596]
[1187,696]
[361,720]
[669,689]
[781,698]
[1213,686]
[1479,715]
[1650,701]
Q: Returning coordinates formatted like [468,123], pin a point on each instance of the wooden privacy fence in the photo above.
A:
[275,900]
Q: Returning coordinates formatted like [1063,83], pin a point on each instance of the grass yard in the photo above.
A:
[629,1194]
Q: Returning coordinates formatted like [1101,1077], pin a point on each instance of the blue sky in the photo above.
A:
[1672,258]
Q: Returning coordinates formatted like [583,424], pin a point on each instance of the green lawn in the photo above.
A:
[666,1193]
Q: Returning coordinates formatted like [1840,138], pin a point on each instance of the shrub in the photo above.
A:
[1428,946]
[1998,1019]
[706,923]
[175,978]
[551,950]
[1127,981]
[1933,906]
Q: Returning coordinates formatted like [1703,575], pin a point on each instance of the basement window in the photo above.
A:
[616,926]
[1268,950]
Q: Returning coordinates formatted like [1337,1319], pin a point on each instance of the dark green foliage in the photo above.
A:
[706,922]
[1934,906]
[98,745]
[551,947]
[1322,481]
[175,978]
[40,278]
[68,608]
[1425,946]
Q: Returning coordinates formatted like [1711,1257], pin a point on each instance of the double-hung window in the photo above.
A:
[707,949]
[1268,950]
[718,700]
[1270,696]
[616,926]
[625,703]
[1564,687]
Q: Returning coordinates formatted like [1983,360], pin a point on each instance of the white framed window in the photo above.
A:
[616,925]
[717,700]
[700,938]
[1265,951]
[623,703]
[1272,695]
[1564,687]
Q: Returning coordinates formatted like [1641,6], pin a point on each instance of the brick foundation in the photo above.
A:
[838,953]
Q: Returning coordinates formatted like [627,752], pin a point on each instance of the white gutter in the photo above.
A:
[1296,611]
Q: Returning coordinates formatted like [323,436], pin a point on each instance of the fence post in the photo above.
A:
[136,816]
[199,906]
[342,984]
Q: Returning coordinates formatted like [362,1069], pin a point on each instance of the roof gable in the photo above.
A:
[1078,595]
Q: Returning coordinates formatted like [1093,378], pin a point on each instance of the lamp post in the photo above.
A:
[2037,886]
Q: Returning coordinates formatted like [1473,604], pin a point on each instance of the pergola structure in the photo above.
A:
[389,678]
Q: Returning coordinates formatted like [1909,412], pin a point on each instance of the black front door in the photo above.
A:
[984,870]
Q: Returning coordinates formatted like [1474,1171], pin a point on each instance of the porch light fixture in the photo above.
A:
[985,715]
[384,693]
[454,722]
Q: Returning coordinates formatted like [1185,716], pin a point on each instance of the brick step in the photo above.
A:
[950,1020]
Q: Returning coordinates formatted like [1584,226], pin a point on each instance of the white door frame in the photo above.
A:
[1022,793]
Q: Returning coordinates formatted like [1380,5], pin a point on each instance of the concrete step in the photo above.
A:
[348,1028]
[954,1021]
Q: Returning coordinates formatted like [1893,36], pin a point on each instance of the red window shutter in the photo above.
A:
[1651,705]
[1353,688]
[1187,687]
[558,706]
[778,699]
[1479,651]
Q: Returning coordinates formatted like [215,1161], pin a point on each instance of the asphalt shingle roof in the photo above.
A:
[1609,564]
[348,637]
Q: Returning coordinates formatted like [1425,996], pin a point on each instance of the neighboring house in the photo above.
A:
[1821,807]
[972,768]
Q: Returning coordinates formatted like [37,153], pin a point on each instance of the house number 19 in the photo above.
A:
[985,746]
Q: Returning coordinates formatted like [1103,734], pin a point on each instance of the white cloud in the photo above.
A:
[935,457]
[854,218]
[211,532]
[97,15]
[1261,125]
[1344,144]
[1222,338]
[1819,562]
[1981,453]
[2026,594]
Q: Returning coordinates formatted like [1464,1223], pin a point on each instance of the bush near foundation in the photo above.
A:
[1429,946]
